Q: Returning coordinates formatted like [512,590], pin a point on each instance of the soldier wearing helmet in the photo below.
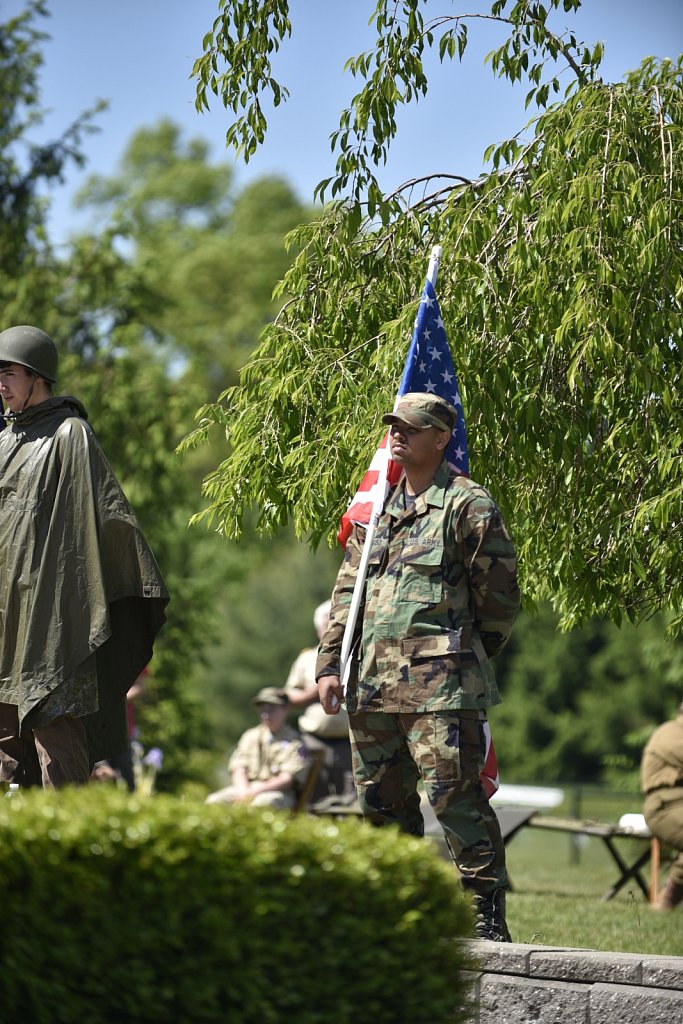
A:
[28,367]
[81,596]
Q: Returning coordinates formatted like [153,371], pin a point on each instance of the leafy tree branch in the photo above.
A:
[561,293]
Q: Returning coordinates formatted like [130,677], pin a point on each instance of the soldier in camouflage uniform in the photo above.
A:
[440,598]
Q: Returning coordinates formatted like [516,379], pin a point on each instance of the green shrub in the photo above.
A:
[122,909]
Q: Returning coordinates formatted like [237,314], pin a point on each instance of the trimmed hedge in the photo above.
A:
[121,909]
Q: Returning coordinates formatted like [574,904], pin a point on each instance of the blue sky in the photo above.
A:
[138,54]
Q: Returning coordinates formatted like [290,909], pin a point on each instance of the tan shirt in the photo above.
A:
[662,762]
[265,755]
[313,719]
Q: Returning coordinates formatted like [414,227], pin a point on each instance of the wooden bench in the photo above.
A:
[517,807]
[609,834]
[541,798]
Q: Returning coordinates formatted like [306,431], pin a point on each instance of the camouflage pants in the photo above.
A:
[391,752]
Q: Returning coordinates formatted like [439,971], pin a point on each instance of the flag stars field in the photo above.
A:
[380,476]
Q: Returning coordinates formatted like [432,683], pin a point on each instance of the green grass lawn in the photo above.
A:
[556,901]
[557,889]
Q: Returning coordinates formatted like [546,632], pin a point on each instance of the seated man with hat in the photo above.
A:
[269,759]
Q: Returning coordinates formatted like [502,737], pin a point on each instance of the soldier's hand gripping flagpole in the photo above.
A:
[377,506]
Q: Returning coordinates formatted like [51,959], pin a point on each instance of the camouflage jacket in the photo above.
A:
[440,598]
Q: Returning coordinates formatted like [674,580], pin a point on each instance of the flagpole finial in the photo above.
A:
[434,260]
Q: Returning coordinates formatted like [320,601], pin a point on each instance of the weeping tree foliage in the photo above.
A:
[560,289]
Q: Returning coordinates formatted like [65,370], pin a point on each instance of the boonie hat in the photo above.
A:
[423,411]
[271,695]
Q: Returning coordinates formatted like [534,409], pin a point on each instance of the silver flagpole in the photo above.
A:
[378,505]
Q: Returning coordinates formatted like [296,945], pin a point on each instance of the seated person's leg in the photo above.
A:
[227,795]
[275,798]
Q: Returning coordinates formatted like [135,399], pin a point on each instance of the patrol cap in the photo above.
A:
[423,411]
[30,347]
[271,695]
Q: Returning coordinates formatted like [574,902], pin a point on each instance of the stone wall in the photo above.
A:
[520,984]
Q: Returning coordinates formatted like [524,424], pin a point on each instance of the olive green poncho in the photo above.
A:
[81,596]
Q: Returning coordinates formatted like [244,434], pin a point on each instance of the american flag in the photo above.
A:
[490,778]
[429,368]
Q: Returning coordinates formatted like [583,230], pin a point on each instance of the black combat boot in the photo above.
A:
[489,908]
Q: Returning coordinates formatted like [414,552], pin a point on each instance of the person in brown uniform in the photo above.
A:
[270,759]
[661,780]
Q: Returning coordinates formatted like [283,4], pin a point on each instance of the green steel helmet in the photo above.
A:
[30,347]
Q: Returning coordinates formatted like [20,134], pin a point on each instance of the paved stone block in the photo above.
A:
[530,984]
[631,1004]
[472,996]
[663,971]
[586,965]
[507,1000]
[502,957]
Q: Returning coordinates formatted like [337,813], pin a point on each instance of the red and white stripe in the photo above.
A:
[374,481]
[490,778]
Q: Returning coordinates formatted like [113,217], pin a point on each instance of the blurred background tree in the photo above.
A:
[154,309]
[578,706]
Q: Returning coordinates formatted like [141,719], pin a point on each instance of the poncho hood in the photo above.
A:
[66,405]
